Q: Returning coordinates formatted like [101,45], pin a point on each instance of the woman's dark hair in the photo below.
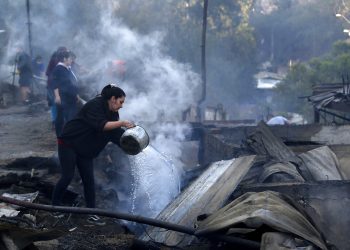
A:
[61,48]
[63,54]
[112,90]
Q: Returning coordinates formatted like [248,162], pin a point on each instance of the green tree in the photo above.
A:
[298,83]
[289,94]
[296,30]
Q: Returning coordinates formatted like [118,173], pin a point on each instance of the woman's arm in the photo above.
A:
[117,124]
[57,96]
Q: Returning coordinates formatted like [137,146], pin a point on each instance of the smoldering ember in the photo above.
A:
[179,124]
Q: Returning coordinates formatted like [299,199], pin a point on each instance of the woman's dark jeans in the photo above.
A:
[68,160]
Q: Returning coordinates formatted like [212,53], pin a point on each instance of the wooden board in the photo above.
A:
[205,195]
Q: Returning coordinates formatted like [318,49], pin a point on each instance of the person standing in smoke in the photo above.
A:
[24,66]
[77,68]
[84,137]
[38,66]
[64,84]
[116,70]
[50,92]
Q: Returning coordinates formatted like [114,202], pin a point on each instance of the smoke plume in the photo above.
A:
[158,88]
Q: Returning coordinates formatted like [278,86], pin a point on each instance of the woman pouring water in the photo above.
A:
[84,137]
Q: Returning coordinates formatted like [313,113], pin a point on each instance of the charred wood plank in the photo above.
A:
[205,195]
[264,142]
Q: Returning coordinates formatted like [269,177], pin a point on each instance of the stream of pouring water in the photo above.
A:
[156,182]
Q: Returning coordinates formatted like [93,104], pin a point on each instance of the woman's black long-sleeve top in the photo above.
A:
[85,132]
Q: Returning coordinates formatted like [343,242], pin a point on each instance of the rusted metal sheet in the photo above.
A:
[205,195]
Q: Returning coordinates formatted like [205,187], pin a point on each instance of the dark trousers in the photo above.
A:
[68,160]
[65,113]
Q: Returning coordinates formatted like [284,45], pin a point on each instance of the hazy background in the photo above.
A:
[160,41]
[161,44]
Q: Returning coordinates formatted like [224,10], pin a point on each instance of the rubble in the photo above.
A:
[331,103]
[257,187]
[302,178]
[251,211]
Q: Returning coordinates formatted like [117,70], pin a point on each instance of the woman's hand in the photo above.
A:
[117,124]
[128,124]
[80,100]
[58,100]
[57,97]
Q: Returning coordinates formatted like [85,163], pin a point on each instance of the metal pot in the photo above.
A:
[134,140]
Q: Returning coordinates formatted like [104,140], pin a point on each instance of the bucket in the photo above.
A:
[134,140]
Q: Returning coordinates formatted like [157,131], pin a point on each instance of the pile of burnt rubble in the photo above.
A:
[32,180]
[271,198]
[268,198]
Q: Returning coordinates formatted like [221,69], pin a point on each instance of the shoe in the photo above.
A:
[96,220]
[57,215]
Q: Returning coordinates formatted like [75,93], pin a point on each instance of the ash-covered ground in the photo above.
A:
[26,131]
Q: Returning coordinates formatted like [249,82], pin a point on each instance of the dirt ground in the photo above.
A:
[26,131]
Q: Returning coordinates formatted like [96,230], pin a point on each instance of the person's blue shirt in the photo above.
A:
[38,66]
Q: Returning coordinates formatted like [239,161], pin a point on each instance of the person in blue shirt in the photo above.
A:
[50,92]
[64,84]
[38,66]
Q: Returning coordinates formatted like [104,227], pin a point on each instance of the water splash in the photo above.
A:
[156,182]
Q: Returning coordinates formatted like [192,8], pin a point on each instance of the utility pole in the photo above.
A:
[272,44]
[29,29]
[203,60]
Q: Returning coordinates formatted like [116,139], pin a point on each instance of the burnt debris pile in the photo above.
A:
[257,187]
[291,195]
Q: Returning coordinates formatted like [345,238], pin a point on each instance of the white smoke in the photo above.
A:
[155,83]
[158,88]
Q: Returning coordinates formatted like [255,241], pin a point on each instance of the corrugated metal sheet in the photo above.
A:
[280,172]
[322,163]
[253,210]
[337,99]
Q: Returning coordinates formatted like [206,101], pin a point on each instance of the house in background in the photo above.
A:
[266,82]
